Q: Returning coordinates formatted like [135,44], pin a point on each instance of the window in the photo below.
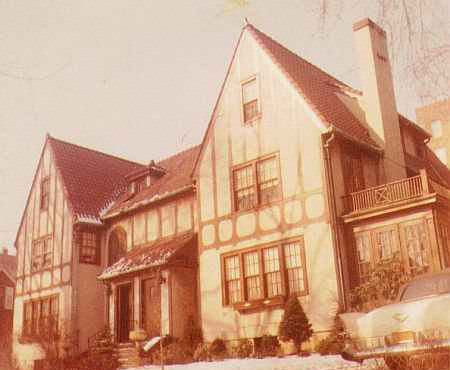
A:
[268,272]
[45,193]
[353,171]
[9,298]
[441,153]
[117,245]
[417,247]
[41,316]
[250,105]
[89,248]
[445,238]
[436,128]
[256,183]
[41,256]
[363,249]
[233,279]
[386,247]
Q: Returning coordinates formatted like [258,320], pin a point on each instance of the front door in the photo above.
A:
[151,307]
[124,312]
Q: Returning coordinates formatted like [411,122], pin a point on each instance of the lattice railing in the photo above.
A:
[386,194]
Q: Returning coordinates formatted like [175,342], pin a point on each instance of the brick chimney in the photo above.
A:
[378,95]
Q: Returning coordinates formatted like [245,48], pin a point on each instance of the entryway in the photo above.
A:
[124,312]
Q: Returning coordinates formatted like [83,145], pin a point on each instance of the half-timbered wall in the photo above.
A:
[287,129]
[54,224]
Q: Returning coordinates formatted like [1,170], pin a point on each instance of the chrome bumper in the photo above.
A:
[353,353]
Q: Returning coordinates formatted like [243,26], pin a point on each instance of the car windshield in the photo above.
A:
[437,284]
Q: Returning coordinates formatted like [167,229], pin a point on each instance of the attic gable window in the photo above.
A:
[45,193]
[250,100]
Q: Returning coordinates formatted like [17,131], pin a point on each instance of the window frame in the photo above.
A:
[32,324]
[257,116]
[256,183]
[84,258]
[44,196]
[35,256]
[265,299]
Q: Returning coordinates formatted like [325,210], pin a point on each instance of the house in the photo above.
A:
[7,285]
[304,184]
[435,118]
[151,238]
[300,186]
[59,250]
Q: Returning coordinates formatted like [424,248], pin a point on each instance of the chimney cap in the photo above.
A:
[367,22]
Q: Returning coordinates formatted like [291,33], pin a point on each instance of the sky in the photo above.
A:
[137,78]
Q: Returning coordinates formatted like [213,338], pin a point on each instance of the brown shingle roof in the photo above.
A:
[158,253]
[177,177]
[317,87]
[91,179]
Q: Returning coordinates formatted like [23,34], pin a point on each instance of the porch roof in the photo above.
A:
[159,253]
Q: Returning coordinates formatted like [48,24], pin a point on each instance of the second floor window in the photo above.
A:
[256,183]
[250,103]
[41,256]
[89,248]
[45,193]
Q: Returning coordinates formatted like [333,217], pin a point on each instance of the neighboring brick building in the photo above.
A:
[435,118]
[8,264]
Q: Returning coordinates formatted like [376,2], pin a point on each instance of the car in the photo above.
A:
[415,325]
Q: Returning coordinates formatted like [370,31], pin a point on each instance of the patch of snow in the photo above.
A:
[89,219]
[313,362]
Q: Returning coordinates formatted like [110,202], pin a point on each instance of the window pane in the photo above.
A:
[251,272]
[385,247]
[268,184]
[295,267]
[272,271]
[416,245]
[244,188]
[364,258]
[232,276]
[249,91]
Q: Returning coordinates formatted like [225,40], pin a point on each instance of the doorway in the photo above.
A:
[124,312]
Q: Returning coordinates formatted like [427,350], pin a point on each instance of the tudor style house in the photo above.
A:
[300,186]
[305,183]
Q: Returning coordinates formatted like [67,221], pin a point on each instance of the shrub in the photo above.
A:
[334,343]
[243,349]
[382,286]
[218,348]
[267,346]
[192,335]
[202,353]
[295,325]
[174,352]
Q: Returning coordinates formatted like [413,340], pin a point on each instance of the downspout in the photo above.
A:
[333,220]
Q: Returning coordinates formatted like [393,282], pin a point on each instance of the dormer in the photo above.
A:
[143,178]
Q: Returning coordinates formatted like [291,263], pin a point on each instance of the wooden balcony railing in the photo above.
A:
[386,194]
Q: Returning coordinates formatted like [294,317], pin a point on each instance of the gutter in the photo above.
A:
[333,218]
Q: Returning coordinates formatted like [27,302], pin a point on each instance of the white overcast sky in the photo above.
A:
[135,78]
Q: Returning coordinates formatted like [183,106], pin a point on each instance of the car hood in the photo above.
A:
[415,315]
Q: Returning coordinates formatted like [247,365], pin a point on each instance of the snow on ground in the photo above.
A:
[313,362]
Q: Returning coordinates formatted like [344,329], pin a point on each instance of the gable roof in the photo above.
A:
[176,179]
[8,264]
[156,254]
[91,179]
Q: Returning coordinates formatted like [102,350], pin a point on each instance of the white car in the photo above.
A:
[417,323]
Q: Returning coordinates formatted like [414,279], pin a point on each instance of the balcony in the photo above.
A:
[389,194]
